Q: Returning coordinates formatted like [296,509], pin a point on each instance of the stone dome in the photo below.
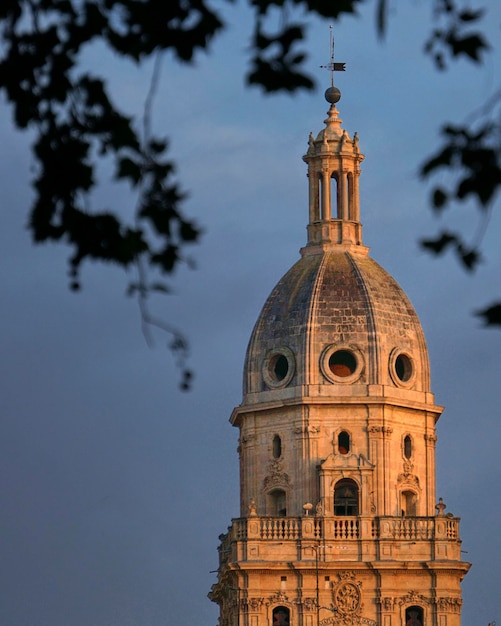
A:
[335,324]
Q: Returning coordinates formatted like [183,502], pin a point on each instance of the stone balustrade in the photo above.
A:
[345,528]
[416,538]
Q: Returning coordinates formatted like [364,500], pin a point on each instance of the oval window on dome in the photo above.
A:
[278,367]
[402,368]
[341,363]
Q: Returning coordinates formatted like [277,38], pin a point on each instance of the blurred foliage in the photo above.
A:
[77,124]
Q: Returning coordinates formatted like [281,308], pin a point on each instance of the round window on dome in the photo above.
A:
[341,363]
[401,368]
[278,367]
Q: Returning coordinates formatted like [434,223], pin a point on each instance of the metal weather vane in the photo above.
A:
[333,94]
[332,66]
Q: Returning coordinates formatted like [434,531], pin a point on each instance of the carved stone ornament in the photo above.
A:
[276,476]
[449,605]
[347,596]
[252,604]
[252,508]
[388,603]
[372,503]
[408,467]
[246,438]
[309,604]
[278,597]
[385,430]
[409,479]
[348,620]
[312,430]
[413,597]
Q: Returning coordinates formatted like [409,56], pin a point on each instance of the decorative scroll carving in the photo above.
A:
[247,438]
[449,605]
[279,597]
[430,439]
[276,476]
[388,603]
[385,430]
[309,604]
[408,467]
[252,604]
[413,597]
[312,430]
[336,621]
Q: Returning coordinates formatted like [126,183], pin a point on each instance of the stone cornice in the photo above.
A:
[342,400]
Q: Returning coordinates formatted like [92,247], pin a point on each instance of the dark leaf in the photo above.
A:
[440,198]
[471,16]
[469,257]
[188,231]
[469,45]
[444,158]
[439,245]
[491,315]
[127,168]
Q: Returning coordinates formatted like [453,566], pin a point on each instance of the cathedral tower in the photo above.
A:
[339,521]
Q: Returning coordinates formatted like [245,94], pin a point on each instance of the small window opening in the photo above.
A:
[281,616]
[346,497]
[282,578]
[334,192]
[342,363]
[408,504]
[278,503]
[277,447]
[279,367]
[343,442]
[414,616]
[407,447]
[403,367]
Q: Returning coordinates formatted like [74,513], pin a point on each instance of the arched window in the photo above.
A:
[407,447]
[408,504]
[334,196]
[277,500]
[277,447]
[414,616]
[346,497]
[343,442]
[281,616]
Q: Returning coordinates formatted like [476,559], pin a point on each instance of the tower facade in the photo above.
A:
[339,520]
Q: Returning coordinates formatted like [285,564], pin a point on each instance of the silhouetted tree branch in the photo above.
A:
[77,124]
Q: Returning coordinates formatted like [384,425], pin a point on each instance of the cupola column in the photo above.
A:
[313,181]
[326,195]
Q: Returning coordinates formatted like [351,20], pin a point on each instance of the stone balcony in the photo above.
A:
[327,539]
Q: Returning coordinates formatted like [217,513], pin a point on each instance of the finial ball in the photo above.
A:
[332,95]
